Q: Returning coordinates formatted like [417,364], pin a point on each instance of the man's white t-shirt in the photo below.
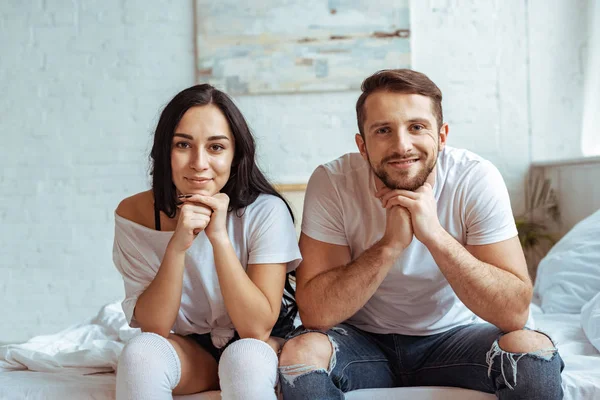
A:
[340,208]
[262,233]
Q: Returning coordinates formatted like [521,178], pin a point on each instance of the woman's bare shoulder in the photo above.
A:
[138,208]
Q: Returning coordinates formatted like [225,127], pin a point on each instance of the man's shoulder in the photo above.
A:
[454,156]
[344,164]
[347,170]
[462,172]
[458,164]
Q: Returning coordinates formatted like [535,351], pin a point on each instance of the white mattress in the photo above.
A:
[581,377]
[29,385]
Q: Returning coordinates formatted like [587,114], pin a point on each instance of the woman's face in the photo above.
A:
[202,151]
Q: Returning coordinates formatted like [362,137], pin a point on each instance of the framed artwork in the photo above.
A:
[283,46]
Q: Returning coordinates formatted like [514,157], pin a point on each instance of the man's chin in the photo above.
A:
[404,184]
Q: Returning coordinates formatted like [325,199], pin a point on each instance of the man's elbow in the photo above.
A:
[515,321]
[314,322]
[312,315]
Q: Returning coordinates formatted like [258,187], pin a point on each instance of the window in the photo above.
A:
[590,136]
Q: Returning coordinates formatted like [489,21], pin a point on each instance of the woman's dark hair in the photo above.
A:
[246,181]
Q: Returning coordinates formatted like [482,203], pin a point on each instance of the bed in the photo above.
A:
[78,363]
[581,377]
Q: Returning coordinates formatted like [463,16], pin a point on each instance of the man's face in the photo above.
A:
[401,138]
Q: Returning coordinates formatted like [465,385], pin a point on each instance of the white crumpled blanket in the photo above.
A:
[89,347]
[590,320]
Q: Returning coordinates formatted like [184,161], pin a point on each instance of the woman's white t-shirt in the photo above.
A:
[262,233]
[340,208]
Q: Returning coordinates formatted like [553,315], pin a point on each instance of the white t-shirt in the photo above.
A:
[263,234]
[414,298]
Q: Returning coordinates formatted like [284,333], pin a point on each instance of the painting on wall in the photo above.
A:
[290,46]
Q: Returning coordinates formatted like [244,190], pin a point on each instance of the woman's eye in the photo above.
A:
[182,145]
[216,147]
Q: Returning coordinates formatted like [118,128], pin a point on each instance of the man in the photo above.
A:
[404,246]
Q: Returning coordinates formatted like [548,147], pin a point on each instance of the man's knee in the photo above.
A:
[525,341]
[311,348]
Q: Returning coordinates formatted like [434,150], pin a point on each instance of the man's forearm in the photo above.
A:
[335,295]
[492,293]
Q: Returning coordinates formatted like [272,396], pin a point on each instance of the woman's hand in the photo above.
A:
[218,204]
[193,219]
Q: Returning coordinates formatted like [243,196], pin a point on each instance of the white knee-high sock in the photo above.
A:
[148,368]
[248,371]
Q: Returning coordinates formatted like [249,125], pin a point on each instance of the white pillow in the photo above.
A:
[590,320]
[569,275]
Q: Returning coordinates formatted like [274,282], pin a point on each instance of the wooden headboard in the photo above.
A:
[577,186]
[294,194]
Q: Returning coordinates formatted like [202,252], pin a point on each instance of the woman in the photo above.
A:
[204,257]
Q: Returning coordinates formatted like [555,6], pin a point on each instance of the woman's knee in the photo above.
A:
[248,370]
[244,353]
[312,348]
[147,364]
[148,348]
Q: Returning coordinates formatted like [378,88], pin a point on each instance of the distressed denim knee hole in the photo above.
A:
[290,373]
[513,358]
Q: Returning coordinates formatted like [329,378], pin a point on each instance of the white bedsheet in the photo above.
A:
[90,347]
[31,385]
[581,376]
[590,320]
[67,359]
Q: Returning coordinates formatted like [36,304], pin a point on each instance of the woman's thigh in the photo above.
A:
[276,344]
[198,366]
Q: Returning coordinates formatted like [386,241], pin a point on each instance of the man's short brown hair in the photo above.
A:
[400,81]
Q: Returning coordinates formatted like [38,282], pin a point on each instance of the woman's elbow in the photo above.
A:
[258,334]
[157,330]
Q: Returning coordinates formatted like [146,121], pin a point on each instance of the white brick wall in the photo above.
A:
[476,53]
[83,82]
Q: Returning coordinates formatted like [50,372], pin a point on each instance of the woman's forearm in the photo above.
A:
[248,307]
[156,309]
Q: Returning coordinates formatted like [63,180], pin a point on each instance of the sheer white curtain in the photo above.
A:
[590,143]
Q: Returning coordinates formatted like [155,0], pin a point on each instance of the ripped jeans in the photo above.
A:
[467,356]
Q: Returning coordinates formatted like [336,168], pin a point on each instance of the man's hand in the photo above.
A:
[398,228]
[421,206]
